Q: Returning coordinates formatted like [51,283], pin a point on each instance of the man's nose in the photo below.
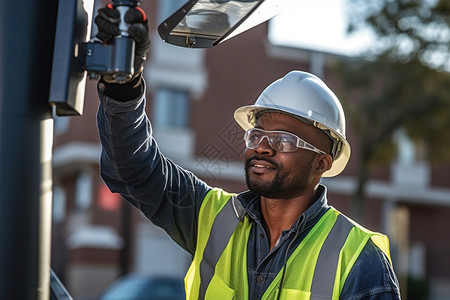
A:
[264,146]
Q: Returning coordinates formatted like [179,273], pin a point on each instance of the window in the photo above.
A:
[83,191]
[171,108]
[406,148]
[59,204]
[410,167]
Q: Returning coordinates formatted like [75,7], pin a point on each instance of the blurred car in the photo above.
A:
[142,287]
[57,289]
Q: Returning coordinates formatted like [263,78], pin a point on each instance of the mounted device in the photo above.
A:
[74,54]
[197,24]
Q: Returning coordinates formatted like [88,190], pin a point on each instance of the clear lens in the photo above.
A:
[279,140]
[286,143]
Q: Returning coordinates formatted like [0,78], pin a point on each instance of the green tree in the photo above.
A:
[401,82]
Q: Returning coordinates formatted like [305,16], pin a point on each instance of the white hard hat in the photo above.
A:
[307,98]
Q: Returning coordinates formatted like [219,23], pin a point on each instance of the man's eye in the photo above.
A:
[286,143]
[277,140]
[255,137]
[286,140]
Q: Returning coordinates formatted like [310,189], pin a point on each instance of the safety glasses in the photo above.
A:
[281,141]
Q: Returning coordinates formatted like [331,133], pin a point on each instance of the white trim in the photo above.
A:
[233,170]
[301,54]
[94,236]
[391,192]
[175,142]
[76,152]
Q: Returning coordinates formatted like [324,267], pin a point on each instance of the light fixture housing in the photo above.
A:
[207,23]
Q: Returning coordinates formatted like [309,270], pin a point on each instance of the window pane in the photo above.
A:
[59,204]
[171,108]
[83,191]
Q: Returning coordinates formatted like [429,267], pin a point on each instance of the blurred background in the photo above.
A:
[387,61]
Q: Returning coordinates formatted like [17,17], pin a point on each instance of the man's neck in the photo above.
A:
[281,214]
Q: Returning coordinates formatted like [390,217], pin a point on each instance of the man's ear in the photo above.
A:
[324,163]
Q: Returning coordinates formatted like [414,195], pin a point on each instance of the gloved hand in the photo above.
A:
[108,19]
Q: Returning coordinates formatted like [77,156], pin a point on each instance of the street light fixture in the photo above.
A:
[207,23]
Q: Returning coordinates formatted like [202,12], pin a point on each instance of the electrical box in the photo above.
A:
[68,80]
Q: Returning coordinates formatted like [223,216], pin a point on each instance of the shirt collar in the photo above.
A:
[252,207]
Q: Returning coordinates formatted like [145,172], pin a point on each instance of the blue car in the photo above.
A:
[142,287]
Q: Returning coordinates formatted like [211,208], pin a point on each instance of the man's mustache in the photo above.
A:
[260,158]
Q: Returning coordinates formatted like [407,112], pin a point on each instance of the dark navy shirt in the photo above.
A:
[170,196]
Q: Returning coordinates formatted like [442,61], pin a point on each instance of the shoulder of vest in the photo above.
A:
[216,200]
[379,239]
[352,222]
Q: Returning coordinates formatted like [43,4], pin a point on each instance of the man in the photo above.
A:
[280,239]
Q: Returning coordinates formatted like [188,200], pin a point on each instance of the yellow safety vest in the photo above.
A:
[317,269]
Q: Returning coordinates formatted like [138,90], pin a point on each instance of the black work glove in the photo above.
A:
[108,20]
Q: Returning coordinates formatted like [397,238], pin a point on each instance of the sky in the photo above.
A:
[318,25]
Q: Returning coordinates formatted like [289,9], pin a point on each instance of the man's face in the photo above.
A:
[281,175]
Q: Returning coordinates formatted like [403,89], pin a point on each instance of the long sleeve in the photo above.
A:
[371,278]
[131,164]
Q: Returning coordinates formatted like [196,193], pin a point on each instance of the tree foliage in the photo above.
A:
[401,82]
[406,30]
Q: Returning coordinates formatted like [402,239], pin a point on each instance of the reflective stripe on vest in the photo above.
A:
[223,227]
[325,271]
[219,268]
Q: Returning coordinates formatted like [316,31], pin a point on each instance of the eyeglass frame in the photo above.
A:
[300,144]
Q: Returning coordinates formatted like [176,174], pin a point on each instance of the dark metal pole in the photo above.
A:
[126,219]
[26,136]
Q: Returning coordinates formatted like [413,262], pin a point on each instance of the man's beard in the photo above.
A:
[283,186]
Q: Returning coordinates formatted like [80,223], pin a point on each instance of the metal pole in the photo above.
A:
[26,136]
